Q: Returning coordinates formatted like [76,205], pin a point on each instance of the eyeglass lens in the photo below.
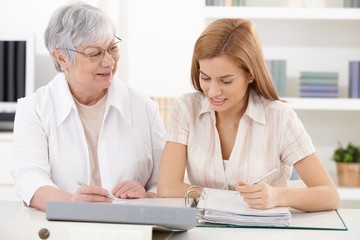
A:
[113,50]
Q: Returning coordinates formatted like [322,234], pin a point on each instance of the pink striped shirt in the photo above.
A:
[270,135]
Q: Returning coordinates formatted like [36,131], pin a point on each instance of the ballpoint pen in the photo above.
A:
[109,195]
[259,179]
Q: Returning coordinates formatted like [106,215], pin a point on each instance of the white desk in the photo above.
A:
[18,222]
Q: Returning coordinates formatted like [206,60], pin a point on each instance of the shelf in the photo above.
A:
[326,104]
[349,193]
[283,13]
[6,136]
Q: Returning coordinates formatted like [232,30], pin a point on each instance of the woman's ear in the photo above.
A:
[251,78]
[60,59]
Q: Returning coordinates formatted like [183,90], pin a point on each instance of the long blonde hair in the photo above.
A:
[236,38]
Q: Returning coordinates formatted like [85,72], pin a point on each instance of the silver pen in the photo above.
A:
[109,195]
[259,179]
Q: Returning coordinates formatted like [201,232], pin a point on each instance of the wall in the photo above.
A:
[157,39]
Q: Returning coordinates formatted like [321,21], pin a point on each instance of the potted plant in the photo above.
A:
[348,165]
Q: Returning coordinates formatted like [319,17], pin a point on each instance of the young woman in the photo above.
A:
[235,129]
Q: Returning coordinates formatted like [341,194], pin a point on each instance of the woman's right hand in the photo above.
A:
[91,193]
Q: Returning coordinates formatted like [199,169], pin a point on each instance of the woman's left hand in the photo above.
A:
[129,189]
[259,196]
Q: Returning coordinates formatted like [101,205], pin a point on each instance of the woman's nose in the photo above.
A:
[107,60]
[214,90]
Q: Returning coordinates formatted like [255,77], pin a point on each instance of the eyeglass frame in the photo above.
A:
[102,51]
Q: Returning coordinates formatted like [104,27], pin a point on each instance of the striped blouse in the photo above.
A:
[270,135]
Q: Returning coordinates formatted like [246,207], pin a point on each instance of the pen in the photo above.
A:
[259,179]
[109,195]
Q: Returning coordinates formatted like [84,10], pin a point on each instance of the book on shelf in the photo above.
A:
[354,79]
[319,84]
[277,69]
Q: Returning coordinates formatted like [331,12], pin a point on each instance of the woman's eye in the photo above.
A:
[113,48]
[226,82]
[95,54]
[204,78]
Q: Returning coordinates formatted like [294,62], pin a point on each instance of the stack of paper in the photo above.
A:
[228,207]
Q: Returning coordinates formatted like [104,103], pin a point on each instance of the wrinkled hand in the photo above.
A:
[129,189]
[91,194]
[259,196]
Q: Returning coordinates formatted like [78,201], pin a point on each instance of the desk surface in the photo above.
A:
[18,222]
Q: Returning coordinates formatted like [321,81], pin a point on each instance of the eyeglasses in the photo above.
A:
[98,54]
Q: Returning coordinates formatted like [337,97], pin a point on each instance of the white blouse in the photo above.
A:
[270,135]
[51,149]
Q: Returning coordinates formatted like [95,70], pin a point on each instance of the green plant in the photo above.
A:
[350,154]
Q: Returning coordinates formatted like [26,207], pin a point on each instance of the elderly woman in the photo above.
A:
[85,126]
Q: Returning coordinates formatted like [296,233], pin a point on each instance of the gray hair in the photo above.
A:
[74,25]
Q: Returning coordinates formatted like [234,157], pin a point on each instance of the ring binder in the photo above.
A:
[147,212]
[201,193]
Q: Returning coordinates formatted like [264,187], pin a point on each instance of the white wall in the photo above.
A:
[158,38]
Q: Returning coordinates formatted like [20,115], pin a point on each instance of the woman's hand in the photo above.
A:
[129,189]
[259,196]
[90,194]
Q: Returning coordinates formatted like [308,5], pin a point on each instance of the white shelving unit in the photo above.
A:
[309,39]
[326,104]
[283,13]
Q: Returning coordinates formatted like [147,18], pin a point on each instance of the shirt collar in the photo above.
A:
[118,97]
[255,109]
[61,97]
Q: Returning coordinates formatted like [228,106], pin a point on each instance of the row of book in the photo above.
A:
[319,84]
[315,84]
[228,3]
[352,3]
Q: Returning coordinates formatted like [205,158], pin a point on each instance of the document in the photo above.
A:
[228,207]
[224,208]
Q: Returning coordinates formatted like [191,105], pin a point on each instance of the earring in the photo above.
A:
[251,81]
